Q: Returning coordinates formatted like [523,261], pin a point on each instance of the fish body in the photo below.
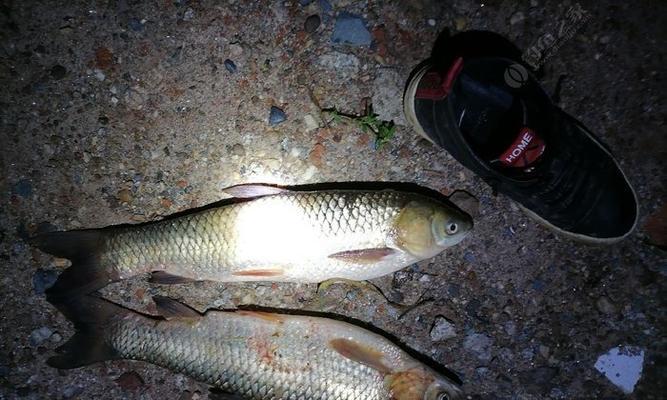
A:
[255,355]
[283,235]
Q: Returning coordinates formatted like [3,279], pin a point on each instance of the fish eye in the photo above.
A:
[443,396]
[452,228]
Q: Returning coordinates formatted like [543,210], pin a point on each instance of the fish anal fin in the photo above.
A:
[364,256]
[165,278]
[250,190]
[172,309]
[260,272]
[362,354]
[266,316]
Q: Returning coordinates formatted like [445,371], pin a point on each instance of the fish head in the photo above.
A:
[425,228]
[422,383]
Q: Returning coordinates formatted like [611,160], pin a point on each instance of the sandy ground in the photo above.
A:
[126,111]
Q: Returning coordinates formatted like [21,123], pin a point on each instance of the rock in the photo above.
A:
[276,116]
[238,150]
[479,344]
[189,14]
[388,96]
[310,122]
[351,29]
[22,188]
[72,392]
[442,329]
[316,154]
[58,72]
[342,64]
[135,24]
[431,22]
[605,306]
[312,23]
[103,58]
[622,366]
[38,336]
[134,99]
[43,279]
[230,66]
[516,18]
[99,75]
[130,381]
[235,50]
[125,196]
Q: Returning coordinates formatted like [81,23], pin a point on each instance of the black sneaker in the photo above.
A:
[493,117]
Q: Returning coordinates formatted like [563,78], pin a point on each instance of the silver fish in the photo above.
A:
[254,355]
[274,234]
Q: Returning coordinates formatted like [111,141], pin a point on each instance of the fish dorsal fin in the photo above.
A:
[362,354]
[250,190]
[363,256]
[172,309]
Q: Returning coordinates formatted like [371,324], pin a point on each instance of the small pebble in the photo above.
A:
[605,306]
[72,392]
[189,14]
[312,23]
[442,329]
[22,188]
[135,24]
[351,29]
[38,336]
[43,279]
[230,66]
[125,196]
[431,22]
[479,344]
[130,381]
[516,18]
[311,123]
[238,150]
[99,75]
[58,72]
[276,116]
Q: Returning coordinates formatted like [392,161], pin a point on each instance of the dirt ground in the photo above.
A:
[126,111]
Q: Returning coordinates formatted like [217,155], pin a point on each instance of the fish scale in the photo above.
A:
[204,245]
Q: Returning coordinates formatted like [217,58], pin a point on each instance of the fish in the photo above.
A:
[252,354]
[266,233]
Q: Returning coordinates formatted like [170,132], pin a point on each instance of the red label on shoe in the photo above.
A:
[432,85]
[525,150]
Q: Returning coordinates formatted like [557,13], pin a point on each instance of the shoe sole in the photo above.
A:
[411,116]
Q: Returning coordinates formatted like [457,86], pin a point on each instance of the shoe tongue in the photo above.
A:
[526,149]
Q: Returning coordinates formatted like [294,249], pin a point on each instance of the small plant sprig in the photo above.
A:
[368,122]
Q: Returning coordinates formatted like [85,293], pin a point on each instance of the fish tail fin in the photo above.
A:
[91,316]
[86,274]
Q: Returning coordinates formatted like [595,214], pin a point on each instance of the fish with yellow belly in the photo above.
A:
[252,355]
[269,234]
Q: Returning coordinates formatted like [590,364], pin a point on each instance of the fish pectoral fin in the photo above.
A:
[266,316]
[250,190]
[260,272]
[362,354]
[215,393]
[165,278]
[172,309]
[363,256]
